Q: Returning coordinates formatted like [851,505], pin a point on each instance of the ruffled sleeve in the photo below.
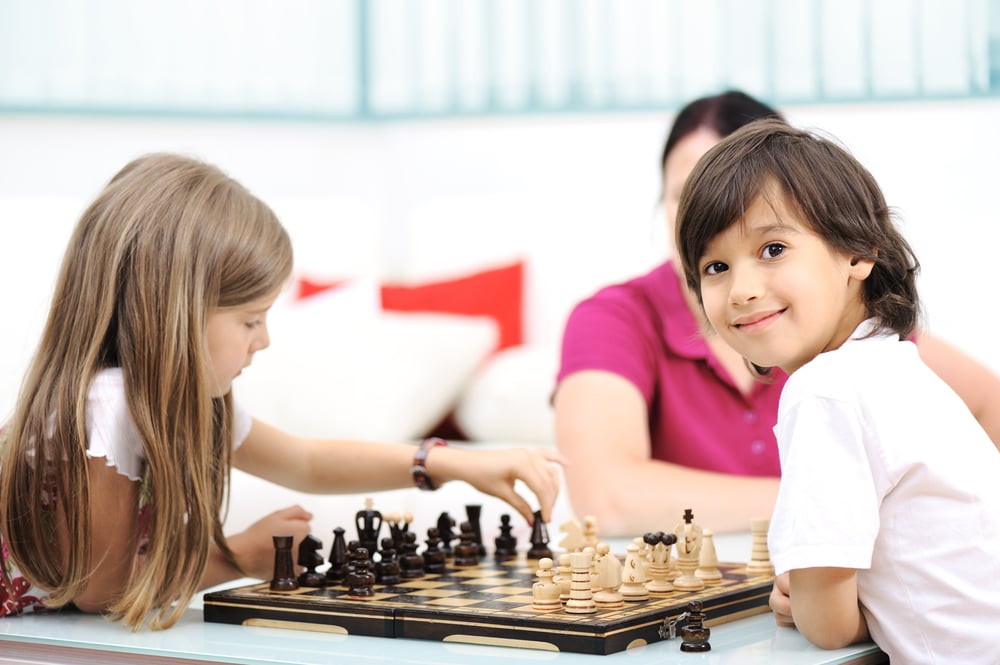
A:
[111,434]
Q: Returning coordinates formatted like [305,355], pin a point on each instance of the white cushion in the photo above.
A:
[340,368]
[509,398]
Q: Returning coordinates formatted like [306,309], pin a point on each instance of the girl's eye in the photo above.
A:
[773,250]
[715,267]
[252,325]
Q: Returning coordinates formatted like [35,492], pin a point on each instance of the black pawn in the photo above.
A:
[539,539]
[284,569]
[361,579]
[387,569]
[310,558]
[506,542]
[434,558]
[467,551]
[338,557]
[694,635]
[446,532]
[411,564]
[474,512]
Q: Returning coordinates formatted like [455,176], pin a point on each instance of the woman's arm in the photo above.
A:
[978,387]
[824,606]
[601,427]
[325,466]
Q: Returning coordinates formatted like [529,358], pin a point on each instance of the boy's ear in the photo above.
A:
[861,268]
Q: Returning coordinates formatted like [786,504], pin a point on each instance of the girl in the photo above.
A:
[116,461]
[887,521]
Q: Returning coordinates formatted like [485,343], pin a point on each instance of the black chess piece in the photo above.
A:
[506,542]
[284,569]
[434,557]
[387,570]
[411,564]
[397,529]
[361,579]
[338,557]
[466,551]
[311,559]
[369,523]
[446,532]
[694,634]
[539,538]
[474,513]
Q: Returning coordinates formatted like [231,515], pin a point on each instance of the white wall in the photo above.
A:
[575,195]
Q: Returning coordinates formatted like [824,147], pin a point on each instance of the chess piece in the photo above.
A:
[539,538]
[398,525]
[446,532]
[581,594]
[411,564]
[506,542]
[284,569]
[573,540]
[338,557]
[633,586]
[434,558]
[564,577]
[609,579]
[708,561]
[473,513]
[658,568]
[369,523]
[545,592]
[589,531]
[310,558]
[361,579]
[387,571]
[694,634]
[760,556]
[689,536]
[466,551]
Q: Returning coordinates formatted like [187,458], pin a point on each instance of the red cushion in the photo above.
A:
[497,293]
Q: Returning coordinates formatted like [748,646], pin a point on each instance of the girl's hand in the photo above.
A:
[254,548]
[495,471]
[780,602]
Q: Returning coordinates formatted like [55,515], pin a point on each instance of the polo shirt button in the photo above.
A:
[757,447]
[750,417]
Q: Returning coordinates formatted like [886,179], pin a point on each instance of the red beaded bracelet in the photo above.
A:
[420,476]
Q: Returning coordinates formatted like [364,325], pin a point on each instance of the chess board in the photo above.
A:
[490,603]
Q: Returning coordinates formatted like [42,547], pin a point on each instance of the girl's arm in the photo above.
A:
[978,387]
[113,500]
[602,428]
[325,466]
[824,605]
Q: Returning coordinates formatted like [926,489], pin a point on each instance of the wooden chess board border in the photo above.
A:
[506,623]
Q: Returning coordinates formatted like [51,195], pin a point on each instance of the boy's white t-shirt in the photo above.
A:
[885,470]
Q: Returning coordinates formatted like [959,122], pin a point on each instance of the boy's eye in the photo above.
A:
[715,267]
[772,250]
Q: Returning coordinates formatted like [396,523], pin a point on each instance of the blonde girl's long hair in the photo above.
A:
[168,240]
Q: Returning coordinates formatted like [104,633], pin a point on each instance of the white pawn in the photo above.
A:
[564,576]
[708,561]
[545,592]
